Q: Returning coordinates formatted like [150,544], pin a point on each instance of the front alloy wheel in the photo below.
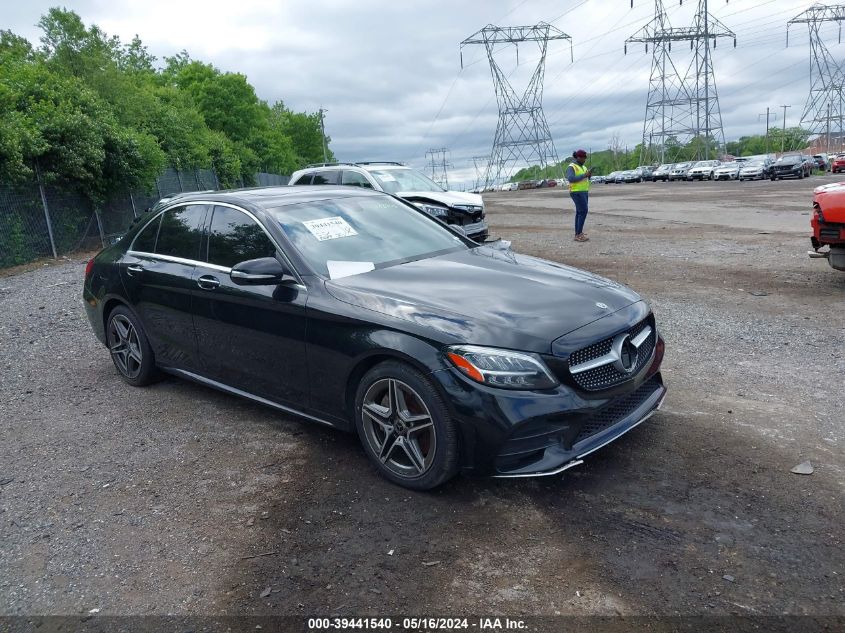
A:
[405,427]
[398,427]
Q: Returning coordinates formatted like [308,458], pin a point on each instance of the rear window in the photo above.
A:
[325,178]
[146,240]
[181,232]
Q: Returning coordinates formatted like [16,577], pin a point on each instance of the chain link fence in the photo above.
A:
[47,221]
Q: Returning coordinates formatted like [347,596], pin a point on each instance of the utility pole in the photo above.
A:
[828,128]
[522,133]
[783,137]
[767,127]
[323,131]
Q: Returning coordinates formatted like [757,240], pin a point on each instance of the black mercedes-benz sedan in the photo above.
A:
[355,309]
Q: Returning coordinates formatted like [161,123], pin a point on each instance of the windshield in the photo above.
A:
[705,163]
[755,163]
[344,236]
[790,159]
[395,180]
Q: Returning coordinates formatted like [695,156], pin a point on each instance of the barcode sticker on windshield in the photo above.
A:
[329,228]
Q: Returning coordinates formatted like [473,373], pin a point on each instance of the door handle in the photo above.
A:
[133,269]
[208,282]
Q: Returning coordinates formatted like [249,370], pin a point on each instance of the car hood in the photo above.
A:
[449,198]
[485,296]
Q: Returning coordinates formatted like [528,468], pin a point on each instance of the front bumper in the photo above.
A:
[525,434]
[477,231]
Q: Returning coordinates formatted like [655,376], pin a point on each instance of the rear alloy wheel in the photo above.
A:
[405,427]
[129,348]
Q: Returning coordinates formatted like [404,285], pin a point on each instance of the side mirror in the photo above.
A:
[265,271]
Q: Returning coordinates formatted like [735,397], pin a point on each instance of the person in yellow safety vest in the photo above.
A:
[579,187]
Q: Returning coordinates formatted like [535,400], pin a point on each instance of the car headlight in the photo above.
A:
[501,367]
[432,209]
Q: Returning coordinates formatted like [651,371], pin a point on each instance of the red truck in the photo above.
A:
[828,222]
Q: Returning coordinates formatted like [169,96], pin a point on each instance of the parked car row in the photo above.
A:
[752,168]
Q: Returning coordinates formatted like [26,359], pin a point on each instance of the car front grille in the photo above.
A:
[617,410]
[608,375]
[829,233]
[464,218]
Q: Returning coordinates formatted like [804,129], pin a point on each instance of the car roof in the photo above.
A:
[278,196]
[366,165]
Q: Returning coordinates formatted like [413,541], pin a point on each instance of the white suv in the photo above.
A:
[453,207]
[703,170]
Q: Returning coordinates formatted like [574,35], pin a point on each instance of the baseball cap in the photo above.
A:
[580,154]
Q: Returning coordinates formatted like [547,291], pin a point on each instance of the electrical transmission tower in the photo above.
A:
[824,103]
[480,163]
[522,134]
[680,107]
[438,166]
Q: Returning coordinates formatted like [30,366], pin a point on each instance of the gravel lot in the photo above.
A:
[177,499]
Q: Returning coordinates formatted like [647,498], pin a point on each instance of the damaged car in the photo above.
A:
[453,207]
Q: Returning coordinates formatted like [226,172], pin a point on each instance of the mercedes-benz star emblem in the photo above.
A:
[628,355]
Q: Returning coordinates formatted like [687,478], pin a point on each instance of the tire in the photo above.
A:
[393,399]
[130,348]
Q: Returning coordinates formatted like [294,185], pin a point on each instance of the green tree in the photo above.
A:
[305,133]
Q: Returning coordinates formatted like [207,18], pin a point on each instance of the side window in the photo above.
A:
[146,240]
[235,237]
[181,232]
[325,178]
[304,179]
[355,179]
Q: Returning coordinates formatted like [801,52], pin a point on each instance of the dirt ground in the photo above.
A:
[177,499]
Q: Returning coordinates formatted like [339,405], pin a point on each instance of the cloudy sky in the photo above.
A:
[389,73]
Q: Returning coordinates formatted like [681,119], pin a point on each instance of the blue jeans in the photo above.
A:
[580,200]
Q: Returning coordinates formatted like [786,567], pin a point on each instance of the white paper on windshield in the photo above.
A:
[329,228]
[346,269]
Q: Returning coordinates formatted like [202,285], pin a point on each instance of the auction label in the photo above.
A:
[329,228]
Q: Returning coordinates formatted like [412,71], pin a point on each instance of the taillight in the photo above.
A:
[89,267]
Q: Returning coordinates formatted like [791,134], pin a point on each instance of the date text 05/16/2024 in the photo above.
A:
[417,624]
